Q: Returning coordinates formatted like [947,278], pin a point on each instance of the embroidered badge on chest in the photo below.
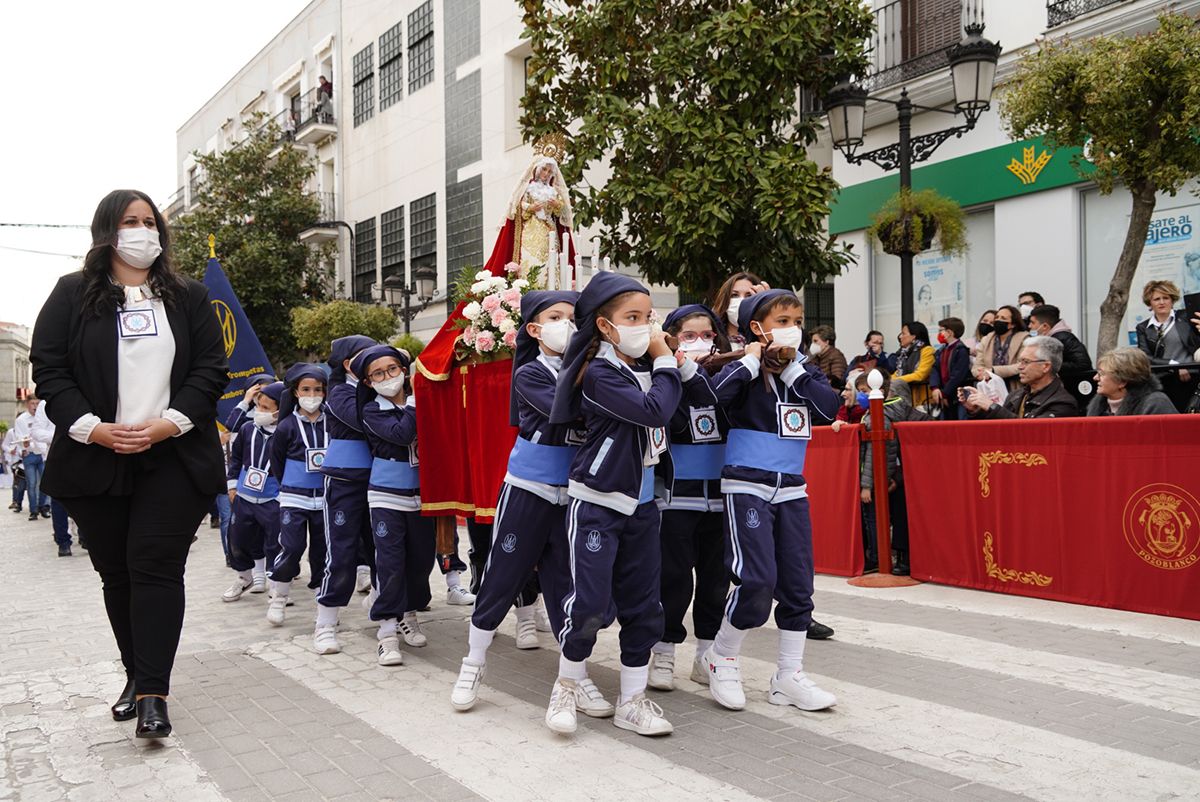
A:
[509,543]
[658,440]
[704,424]
[137,323]
[314,458]
[794,421]
[256,479]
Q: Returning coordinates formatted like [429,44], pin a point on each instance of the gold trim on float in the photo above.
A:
[1010,574]
[433,377]
[989,458]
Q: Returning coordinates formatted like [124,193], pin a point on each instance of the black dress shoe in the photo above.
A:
[64,551]
[126,704]
[818,631]
[900,569]
[152,717]
[45,512]
[33,516]
[214,523]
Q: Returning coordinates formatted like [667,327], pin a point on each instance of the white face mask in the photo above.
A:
[138,247]
[389,388]
[635,340]
[815,349]
[263,419]
[310,403]
[556,334]
[1026,310]
[732,311]
[696,348]
[789,337]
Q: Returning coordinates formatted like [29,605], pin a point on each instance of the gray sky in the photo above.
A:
[94,91]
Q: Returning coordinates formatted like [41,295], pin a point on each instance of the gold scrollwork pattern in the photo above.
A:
[1010,574]
[989,458]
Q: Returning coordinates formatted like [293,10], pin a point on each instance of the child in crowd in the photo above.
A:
[245,408]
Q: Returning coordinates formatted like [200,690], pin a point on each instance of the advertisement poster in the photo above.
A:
[1172,253]
[940,283]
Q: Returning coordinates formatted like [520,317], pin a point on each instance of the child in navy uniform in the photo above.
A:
[612,525]
[245,408]
[530,528]
[297,452]
[347,468]
[405,542]
[692,520]
[253,492]
[767,526]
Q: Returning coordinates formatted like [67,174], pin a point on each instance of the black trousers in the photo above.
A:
[139,543]
[693,541]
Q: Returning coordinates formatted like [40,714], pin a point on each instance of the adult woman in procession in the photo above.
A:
[131,361]
[997,352]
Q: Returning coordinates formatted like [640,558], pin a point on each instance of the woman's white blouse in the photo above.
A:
[143,373]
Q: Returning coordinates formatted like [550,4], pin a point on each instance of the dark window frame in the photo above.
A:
[364,84]
[391,66]
[420,47]
[365,256]
[391,242]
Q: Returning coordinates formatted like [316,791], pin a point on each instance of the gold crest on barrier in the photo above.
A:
[1160,526]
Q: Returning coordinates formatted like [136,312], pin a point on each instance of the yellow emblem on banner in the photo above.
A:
[989,458]
[1160,526]
[1029,168]
[228,326]
[1010,574]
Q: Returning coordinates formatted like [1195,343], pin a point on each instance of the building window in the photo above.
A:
[420,47]
[391,242]
[364,261]
[818,306]
[364,84]
[423,225]
[391,67]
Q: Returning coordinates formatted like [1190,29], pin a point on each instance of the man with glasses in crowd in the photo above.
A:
[1041,394]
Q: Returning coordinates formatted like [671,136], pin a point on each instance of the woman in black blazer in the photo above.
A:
[130,359]
[1167,337]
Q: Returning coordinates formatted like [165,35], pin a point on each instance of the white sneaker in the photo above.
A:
[560,715]
[410,628]
[235,590]
[466,689]
[362,582]
[325,640]
[700,669]
[275,610]
[725,680]
[258,584]
[642,716]
[459,595]
[798,690]
[368,601]
[541,618]
[589,700]
[662,671]
[389,652]
[527,634]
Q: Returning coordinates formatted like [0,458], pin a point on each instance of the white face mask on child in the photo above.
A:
[263,419]
[390,388]
[310,403]
[556,334]
[789,336]
[635,340]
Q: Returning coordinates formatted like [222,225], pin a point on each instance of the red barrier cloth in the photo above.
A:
[1099,511]
[831,470]
[464,439]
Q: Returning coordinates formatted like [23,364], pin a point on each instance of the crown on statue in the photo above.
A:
[553,146]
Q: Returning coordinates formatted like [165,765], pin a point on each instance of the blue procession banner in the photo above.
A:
[242,348]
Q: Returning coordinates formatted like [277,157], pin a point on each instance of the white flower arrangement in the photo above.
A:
[492,314]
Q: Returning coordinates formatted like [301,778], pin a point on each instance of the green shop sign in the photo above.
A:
[1018,168]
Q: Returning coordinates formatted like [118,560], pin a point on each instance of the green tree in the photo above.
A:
[411,343]
[315,326]
[256,205]
[694,106]
[1133,103]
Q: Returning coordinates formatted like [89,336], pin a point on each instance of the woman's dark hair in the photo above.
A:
[826,333]
[917,329]
[1018,323]
[605,312]
[725,293]
[721,340]
[991,312]
[872,333]
[101,295]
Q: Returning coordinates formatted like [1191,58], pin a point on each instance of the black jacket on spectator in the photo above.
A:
[1147,340]
[1052,401]
[1143,399]
[958,369]
[1076,360]
[895,410]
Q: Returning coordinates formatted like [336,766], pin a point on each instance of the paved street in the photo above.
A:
[944,694]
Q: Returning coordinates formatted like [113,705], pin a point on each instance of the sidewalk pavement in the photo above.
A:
[943,694]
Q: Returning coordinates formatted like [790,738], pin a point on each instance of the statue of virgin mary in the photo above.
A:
[540,209]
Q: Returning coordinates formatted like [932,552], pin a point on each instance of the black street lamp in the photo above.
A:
[396,294]
[973,71]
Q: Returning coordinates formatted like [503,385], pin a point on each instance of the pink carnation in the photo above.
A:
[512,297]
[469,335]
[499,316]
[491,303]
[510,339]
[512,267]
[485,342]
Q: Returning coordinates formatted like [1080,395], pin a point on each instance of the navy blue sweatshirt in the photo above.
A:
[391,432]
[348,457]
[541,458]
[296,455]
[614,467]
[697,433]
[252,450]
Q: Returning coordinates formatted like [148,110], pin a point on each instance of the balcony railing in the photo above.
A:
[176,204]
[912,36]
[328,206]
[1059,12]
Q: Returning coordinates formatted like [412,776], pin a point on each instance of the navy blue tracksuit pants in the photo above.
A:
[405,546]
[298,529]
[693,541]
[768,549]
[615,559]
[347,522]
[530,532]
[253,533]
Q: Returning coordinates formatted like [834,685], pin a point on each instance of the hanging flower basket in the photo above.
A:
[909,222]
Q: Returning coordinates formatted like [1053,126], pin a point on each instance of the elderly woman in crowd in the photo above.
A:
[829,359]
[1125,386]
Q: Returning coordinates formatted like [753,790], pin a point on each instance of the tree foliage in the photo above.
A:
[693,105]
[315,326]
[1133,104]
[256,205]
